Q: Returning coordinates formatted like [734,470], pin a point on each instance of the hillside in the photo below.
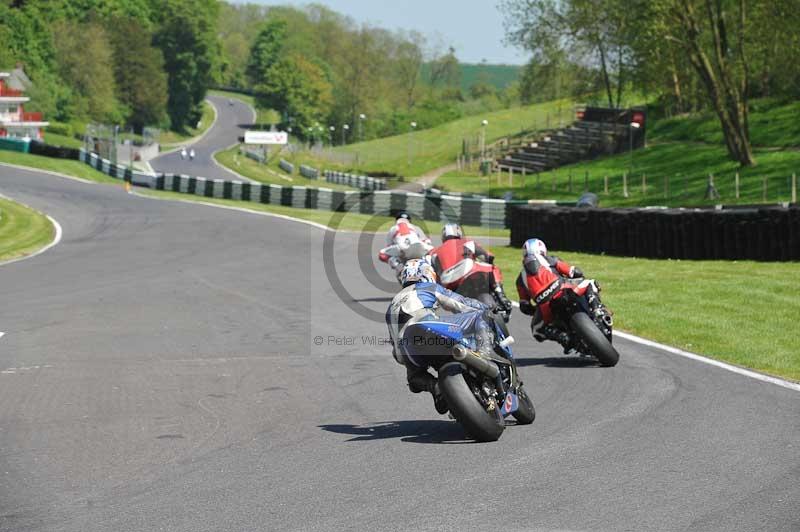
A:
[674,168]
[414,154]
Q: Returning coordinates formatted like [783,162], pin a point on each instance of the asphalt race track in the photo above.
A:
[159,371]
[232,121]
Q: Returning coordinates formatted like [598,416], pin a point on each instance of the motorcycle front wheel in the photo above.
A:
[525,413]
[594,338]
[483,423]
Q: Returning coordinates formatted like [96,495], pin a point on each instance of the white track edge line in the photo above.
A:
[56,238]
[50,172]
[700,358]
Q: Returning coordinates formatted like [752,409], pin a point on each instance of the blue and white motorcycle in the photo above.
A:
[481,386]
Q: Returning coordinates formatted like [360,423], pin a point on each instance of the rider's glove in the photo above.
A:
[576,272]
[526,308]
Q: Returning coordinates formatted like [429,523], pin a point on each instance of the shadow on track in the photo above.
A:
[417,431]
[559,362]
[373,300]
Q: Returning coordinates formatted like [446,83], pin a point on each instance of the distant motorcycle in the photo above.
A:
[481,385]
[406,247]
[591,334]
[191,154]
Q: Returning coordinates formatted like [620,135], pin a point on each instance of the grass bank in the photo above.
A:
[62,166]
[22,230]
[169,139]
[268,173]
[418,152]
[709,307]
[673,170]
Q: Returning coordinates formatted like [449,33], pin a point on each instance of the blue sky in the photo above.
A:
[473,27]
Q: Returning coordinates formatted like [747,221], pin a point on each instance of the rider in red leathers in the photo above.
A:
[454,249]
[541,280]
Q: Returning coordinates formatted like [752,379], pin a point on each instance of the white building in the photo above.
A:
[14,121]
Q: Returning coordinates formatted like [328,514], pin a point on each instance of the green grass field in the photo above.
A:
[675,166]
[415,153]
[22,230]
[714,308]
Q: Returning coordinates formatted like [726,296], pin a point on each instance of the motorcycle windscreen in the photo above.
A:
[427,343]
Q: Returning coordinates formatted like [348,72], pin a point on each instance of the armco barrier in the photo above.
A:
[286,166]
[358,181]
[762,233]
[309,172]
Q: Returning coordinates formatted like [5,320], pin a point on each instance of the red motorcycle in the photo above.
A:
[467,269]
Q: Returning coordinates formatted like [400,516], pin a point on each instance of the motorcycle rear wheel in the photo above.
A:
[481,424]
[600,346]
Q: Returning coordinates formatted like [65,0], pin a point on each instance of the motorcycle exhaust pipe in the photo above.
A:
[465,356]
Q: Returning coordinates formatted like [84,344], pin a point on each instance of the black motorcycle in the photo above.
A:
[590,332]
[481,385]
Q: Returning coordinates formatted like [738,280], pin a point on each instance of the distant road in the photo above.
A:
[232,121]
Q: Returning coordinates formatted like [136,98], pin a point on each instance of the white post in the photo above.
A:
[605,185]
[736,184]
[794,188]
[510,176]
[625,184]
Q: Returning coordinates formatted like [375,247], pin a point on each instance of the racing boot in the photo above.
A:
[556,334]
[419,380]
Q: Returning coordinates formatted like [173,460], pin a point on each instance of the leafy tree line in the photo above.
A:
[689,54]
[134,62]
[321,69]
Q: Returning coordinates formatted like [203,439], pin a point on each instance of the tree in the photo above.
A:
[139,72]
[445,69]
[296,87]
[409,61]
[266,51]
[187,38]
[85,62]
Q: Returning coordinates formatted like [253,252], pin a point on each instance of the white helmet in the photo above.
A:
[533,247]
[450,231]
[417,271]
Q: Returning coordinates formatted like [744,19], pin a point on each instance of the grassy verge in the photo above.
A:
[263,116]
[708,307]
[268,173]
[675,173]
[62,166]
[416,153]
[169,139]
[22,230]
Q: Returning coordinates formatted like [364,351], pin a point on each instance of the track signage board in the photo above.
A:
[266,137]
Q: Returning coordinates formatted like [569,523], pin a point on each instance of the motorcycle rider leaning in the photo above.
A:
[401,227]
[455,247]
[542,280]
[419,300]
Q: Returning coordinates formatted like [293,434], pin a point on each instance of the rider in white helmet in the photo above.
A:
[421,298]
[541,280]
[401,234]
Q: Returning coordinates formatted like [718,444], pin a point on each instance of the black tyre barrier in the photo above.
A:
[762,233]
[48,150]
